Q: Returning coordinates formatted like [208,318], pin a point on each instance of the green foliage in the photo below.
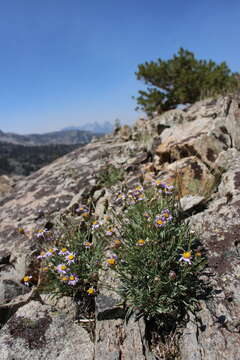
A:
[81,243]
[158,262]
[157,259]
[181,80]
[110,175]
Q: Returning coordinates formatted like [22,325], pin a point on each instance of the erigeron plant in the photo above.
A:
[71,259]
[157,259]
[153,252]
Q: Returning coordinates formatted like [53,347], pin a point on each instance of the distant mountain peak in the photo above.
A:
[96,127]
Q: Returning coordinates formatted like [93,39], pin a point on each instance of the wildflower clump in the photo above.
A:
[158,261]
[71,266]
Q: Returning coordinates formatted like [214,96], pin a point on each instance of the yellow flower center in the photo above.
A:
[64,278]
[198,253]
[159,222]
[117,242]
[87,243]
[26,278]
[64,250]
[187,254]
[63,267]
[91,291]
[72,277]
[50,250]
[166,215]
[111,261]
[70,257]
[141,242]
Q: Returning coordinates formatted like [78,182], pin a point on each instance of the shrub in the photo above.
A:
[110,175]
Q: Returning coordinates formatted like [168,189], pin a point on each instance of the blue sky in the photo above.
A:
[68,62]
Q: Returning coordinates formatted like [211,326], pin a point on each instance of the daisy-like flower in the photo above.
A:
[91,291]
[64,251]
[117,243]
[82,209]
[186,256]
[119,197]
[41,233]
[166,189]
[73,279]
[166,215]
[62,268]
[41,255]
[111,261]
[110,231]
[140,242]
[96,224]
[136,194]
[159,221]
[131,199]
[85,214]
[87,244]
[146,215]
[141,197]
[27,279]
[156,182]
[50,252]
[64,278]
[70,258]
[138,189]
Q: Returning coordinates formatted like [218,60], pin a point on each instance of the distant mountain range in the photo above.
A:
[66,137]
[22,154]
[101,128]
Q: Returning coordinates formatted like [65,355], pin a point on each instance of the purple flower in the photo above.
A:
[62,268]
[50,252]
[166,189]
[64,251]
[159,221]
[186,256]
[73,279]
[96,224]
[70,258]
[166,215]
[119,197]
[82,209]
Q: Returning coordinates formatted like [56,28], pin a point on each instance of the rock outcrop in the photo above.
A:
[199,150]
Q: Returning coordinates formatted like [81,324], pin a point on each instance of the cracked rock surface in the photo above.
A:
[201,147]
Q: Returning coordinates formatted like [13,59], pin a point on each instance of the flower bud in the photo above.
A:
[172,275]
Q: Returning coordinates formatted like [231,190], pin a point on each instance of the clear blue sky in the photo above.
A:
[67,62]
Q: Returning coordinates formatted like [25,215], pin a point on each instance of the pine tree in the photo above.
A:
[181,80]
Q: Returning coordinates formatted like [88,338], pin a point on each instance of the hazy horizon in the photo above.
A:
[68,63]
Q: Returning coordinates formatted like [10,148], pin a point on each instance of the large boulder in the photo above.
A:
[37,332]
[215,332]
